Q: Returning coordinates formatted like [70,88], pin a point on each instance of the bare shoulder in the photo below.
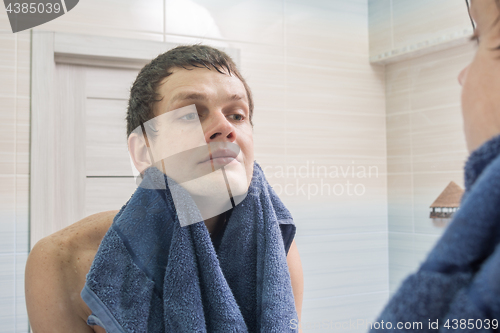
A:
[55,275]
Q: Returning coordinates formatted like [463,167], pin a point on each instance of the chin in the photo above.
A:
[214,185]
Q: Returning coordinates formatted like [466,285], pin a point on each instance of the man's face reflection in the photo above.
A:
[201,135]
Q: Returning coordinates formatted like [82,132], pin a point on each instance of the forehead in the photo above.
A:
[200,80]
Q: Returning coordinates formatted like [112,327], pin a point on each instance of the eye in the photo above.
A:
[190,116]
[238,117]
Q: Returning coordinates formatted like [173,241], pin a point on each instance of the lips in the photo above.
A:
[222,154]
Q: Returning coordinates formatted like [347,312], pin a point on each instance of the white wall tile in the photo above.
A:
[7,135]
[400,202]
[401,258]
[349,313]
[7,293]
[245,21]
[333,80]
[22,213]
[119,18]
[423,244]
[21,315]
[338,264]
[418,21]
[22,135]
[7,214]
[327,25]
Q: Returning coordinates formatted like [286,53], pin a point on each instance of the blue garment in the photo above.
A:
[152,275]
[287,233]
[460,279]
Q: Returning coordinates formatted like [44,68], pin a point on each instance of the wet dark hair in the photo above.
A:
[144,95]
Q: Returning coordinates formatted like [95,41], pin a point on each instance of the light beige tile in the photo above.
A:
[7,290]
[262,21]
[336,265]
[453,161]
[438,131]
[401,258]
[434,81]
[8,50]
[327,25]
[8,75]
[7,135]
[315,133]
[398,135]
[23,63]
[128,19]
[269,136]
[400,202]
[398,87]
[334,88]
[423,244]
[399,143]
[22,136]
[22,213]
[21,312]
[397,274]
[7,214]
[335,313]
[401,249]
[418,21]
[187,40]
[263,68]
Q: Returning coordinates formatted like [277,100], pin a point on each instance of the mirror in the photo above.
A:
[357,127]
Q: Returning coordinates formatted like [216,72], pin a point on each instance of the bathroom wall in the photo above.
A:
[425,150]
[318,103]
[406,28]
[424,45]
[14,174]
[357,151]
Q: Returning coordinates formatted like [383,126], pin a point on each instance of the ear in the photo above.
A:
[138,150]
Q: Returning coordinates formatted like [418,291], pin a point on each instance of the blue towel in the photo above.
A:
[463,266]
[152,275]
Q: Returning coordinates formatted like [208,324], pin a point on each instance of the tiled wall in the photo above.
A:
[14,176]
[318,102]
[402,26]
[425,149]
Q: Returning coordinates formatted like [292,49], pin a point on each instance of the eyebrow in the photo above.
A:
[196,96]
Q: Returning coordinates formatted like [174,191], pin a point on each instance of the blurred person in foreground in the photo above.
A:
[457,288]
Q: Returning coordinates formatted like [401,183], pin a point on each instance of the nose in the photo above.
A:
[463,75]
[218,128]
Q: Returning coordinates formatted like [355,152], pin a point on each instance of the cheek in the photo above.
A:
[246,145]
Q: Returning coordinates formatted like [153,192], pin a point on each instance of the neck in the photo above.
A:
[212,222]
